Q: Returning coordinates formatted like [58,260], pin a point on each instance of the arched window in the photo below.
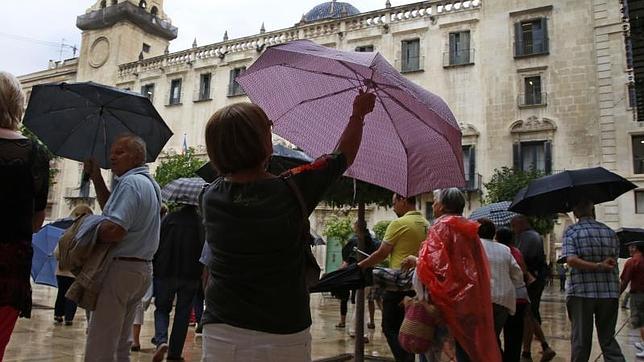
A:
[143,4]
[103,4]
[154,11]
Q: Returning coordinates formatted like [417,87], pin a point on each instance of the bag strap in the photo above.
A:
[306,226]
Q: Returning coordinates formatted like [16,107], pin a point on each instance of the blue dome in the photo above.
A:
[330,10]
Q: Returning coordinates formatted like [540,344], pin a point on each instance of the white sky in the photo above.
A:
[29,27]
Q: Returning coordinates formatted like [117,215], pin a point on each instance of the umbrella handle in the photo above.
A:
[355,248]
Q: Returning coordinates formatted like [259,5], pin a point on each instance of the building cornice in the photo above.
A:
[380,20]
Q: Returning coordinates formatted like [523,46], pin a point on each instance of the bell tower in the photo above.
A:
[121,31]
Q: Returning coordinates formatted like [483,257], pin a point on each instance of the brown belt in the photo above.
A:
[128,258]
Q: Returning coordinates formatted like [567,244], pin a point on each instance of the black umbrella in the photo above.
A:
[351,277]
[81,120]
[628,236]
[559,192]
[282,159]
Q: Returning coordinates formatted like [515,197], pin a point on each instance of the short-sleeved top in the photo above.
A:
[593,242]
[254,231]
[135,204]
[633,273]
[530,243]
[405,234]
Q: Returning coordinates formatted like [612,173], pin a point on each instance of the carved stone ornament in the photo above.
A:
[533,124]
[468,130]
[99,52]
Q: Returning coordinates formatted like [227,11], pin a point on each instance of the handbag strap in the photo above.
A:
[300,198]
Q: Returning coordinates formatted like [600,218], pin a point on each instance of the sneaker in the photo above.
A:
[639,346]
[159,355]
[199,329]
[548,355]
[639,354]
[58,320]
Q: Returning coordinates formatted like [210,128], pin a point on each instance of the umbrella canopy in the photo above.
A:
[628,236]
[497,212]
[411,141]
[351,277]
[559,192]
[183,190]
[43,263]
[81,120]
[282,159]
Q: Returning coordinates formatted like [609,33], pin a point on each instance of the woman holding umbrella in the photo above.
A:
[257,303]
[24,167]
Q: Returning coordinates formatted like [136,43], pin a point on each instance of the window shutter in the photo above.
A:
[231,83]
[516,156]
[472,170]
[544,35]
[452,48]
[404,56]
[464,47]
[547,151]
[518,39]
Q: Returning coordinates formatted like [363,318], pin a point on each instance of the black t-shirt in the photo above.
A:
[254,233]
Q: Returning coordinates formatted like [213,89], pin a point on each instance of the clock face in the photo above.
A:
[99,52]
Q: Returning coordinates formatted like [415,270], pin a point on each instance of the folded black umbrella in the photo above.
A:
[559,192]
[282,159]
[628,236]
[81,120]
[351,277]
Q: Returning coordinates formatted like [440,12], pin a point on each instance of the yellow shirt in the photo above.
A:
[405,234]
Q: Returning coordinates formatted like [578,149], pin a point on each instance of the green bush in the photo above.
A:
[338,228]
[380,227]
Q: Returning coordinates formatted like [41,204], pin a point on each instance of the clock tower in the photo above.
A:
[121,31]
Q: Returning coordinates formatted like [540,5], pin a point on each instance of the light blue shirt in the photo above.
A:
[134,204]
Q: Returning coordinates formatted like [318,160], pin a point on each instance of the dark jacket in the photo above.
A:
[180,244]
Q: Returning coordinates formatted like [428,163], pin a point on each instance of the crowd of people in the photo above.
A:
[485,279]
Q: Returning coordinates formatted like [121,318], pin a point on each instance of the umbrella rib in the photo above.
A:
[123,123]
[70,133]
[399,137]
[421,119]
[73,90]
[314,72]
[315,99]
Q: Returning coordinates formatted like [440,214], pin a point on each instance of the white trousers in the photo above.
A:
[225,343]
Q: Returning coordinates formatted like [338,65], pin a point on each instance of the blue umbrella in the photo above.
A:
[43,263]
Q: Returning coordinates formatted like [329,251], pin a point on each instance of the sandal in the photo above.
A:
[340,325]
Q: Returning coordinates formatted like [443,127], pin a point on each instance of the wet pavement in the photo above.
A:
[38,339]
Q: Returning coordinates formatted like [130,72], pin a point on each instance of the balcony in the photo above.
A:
[473,182]
[411,65]
[458,58]
[530,100]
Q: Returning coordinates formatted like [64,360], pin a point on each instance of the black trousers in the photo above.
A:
[393,314]
[64,307]
[513,335]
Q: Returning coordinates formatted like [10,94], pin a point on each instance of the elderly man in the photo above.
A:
[133,207]
[402,238]
[592,291]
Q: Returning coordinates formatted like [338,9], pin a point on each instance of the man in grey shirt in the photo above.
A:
[133,207]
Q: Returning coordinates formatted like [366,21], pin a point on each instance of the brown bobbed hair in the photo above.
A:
[238,137]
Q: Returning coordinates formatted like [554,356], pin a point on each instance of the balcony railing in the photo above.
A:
[411,65]
[460,57]
[473,182]
[532,99]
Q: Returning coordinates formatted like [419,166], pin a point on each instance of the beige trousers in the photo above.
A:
[110,325]
[225,343]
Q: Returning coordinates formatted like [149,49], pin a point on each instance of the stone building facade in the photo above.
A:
[534,83]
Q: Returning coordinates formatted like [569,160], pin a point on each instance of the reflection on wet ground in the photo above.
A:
[38,339]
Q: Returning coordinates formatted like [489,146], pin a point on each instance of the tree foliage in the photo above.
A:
[338,228]
[52,171]
[380,227]
[177,166]
[504,185]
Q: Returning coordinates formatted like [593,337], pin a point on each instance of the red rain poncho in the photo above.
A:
[453,267]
